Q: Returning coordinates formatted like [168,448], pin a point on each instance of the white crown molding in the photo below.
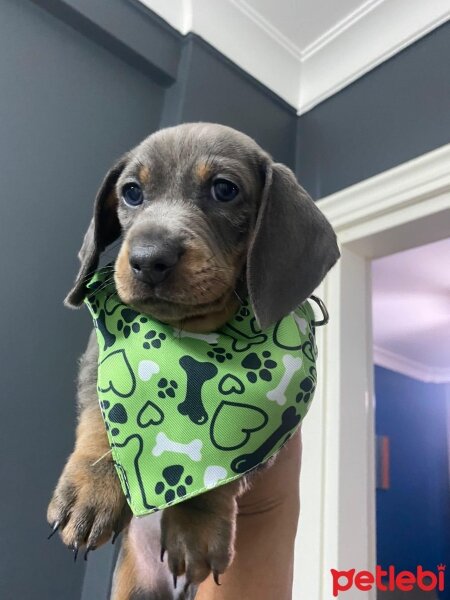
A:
[175,12]
[382,195]
[339,28]
[371,34]
[375,32]
[381,202]
[240,34]
[410,368]
[270,29]
[231,28]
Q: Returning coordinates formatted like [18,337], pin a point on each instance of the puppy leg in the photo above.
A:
[139,572]
[126,584]
[88,505]
[199,534]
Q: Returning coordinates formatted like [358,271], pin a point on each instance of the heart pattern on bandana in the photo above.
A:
[187,412]
[116,375]
[238,413]
[230,384]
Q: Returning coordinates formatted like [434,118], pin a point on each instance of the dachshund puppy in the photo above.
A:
[205,218]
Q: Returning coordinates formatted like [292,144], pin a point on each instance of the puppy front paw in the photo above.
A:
[88,505]
[197,542]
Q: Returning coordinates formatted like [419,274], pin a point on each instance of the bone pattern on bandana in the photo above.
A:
[301,322]
[188,412]
[291,365]
[164,444]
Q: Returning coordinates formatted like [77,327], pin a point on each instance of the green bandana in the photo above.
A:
[187,412]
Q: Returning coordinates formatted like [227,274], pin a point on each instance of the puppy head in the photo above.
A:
[203,209]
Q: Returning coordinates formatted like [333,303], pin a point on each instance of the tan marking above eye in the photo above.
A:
[203,171]
[144,174]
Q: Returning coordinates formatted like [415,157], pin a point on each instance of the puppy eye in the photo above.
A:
[132,194]
[224,190]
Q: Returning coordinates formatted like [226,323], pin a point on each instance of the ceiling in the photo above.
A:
[411,311]
[303,22]
[305,50]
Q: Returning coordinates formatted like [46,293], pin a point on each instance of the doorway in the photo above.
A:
[404,207]
[411,335]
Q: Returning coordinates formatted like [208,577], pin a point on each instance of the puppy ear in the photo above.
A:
[103,229]
[292,248]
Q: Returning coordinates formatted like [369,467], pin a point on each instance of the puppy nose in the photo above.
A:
[152,264]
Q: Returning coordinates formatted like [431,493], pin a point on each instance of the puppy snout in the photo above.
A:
[152,263]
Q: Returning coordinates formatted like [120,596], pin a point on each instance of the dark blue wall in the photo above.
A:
[68,108]
[394,113]
[413,516]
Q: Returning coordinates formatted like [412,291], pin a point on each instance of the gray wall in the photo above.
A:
[396,112]
[211,88]
[73,98]
[68,108]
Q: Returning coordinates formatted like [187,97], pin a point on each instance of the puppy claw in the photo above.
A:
[114,537]
[163,551]
[202,549]
[175,579]
[187,585]
[88,549]
[55,528]
[88,504]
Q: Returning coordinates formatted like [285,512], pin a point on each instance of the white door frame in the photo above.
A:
[404,207]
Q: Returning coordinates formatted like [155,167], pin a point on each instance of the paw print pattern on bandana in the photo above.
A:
[115,415]
[124,324]
[307,387]
[109,338]
[154,340]
[242,314]
[167,388]
[257,367]
[104,405]
[173,486]
[94,303]
[220,354]
[185,411]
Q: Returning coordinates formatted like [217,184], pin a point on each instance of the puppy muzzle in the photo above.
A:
[152,259]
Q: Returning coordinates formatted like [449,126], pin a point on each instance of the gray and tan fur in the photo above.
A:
[186,257]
